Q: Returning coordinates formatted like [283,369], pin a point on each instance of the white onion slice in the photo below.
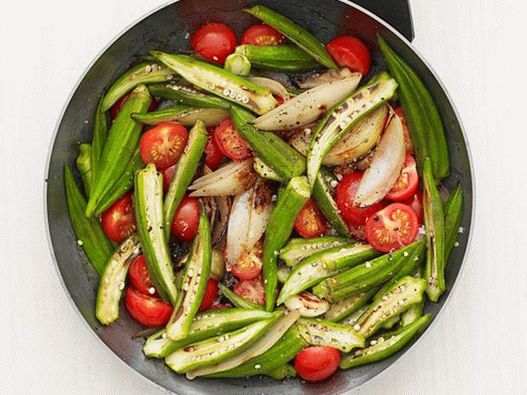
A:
[321,78]
[231,179]
[275,87]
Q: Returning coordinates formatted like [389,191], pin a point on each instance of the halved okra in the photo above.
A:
[324,264]
[283,273]
[299,248]
[280,58]
[83,163]
[205,325]
[238,301]
[318,332]
[111,284]
[184,115]
[344,308]
[194,282]
[385,345]
[265,171]
[353,318]
[412,314]
[220,82]
[187,96]
[453,211]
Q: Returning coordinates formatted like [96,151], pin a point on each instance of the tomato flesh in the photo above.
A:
[147,310]
[406,130]
[211,292]
[407,183]
[168,174]
[317,363]
[139,277]
[262,34]
[249,265]
[118,221]
[416,203]
[118,106]
[163,144]
[213,154]
[214,42]
[350,52]
[310,222]
[229,141]
[186,219]
[251,290]
[393,227]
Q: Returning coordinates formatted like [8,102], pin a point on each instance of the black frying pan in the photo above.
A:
[166,29]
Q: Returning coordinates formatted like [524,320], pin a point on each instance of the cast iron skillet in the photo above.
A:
[167,29]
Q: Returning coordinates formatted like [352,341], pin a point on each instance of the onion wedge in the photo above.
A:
[316,79]
[385,168]
[308,106]
[231,179]
[275,87]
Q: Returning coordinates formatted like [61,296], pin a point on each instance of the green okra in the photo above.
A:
[289,203]
[353,318]
[278,58]
[238,64]
[283,273]
[99,136]
[89,232]
[183,115]
[83,163]
[295,33]
[185,171]
[217,265]
[111,284]
[238,301]
[412,314]
[319,332]
[453,211]
[299,248]
[282,372]
[265,171]
[385,345]
[187,96]
[344,308]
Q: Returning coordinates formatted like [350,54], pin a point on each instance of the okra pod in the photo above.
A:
[353,318]
[344,308]
[120,146]
[220,82]
[99,136]
[194,282]
[185,171]
[282,372]
[290,201]
[111,284]
[412,314]
[187,96]
[148,205]
[318,332]
[278,58]
[184,115]
[307,304]
[283,273]
[238,64]
[83,163]
[298,249]
[435,235]
[385,345]
[89,232]
[295,33]
[265,171]
[453,211]
[238,301]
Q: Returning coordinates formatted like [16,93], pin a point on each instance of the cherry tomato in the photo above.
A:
[251,290]
[168,174]
[213,154]
[211,292]
[393,227]
[357,231]
[406,130]
[116,108]
[317,363]
[279,100]
[310,222]
[350,52]
[407,182]
[249,265]
[118,221]
[186,219]
[230,142]
[163,144]
[214,42]
[147,310]
[344,195]
[262,34]
[139,277]
[416,203]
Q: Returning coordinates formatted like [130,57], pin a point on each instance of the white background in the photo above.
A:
[479,345]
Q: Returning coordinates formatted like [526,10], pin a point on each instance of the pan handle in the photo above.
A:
[396,12]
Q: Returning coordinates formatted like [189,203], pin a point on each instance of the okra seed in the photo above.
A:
[368,265]
[121,286]
[257,366]
[456,244]
[356,327]
[373,342]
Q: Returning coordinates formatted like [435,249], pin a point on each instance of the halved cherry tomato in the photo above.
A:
[163,144]
[168,174]
[279,100]
[262,34]
[407,182]
[317,363]
[344,195]
[116,108]
[214,42]
[406,131]
[249,265]
[147,310]
[186,219]
[139,277]
[251,290]
[357,231]
[210,294]
[350,52]
[118,221]
[230,142]
[213,154]
[416,203]
[393,227]
[310,222]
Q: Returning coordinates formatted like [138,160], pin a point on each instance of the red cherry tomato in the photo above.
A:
[211,292]
[406,130]
[163,144]
[214,42]
[416,203]
[118,221]
[407,182]
[317,363]
[168,174]
[393,227]
[213,154]
[139,277]
[249,265]
[147,310]
[186,219]
[350,52]
[310,222]
[251,290]
[230,142]
[262,34]
[116,108]
[344,195]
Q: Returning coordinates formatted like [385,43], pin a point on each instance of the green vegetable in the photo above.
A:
[353,318]
[318,332]
[217,266]
[282,372]
[84,166]
[111,284]
[238,64]
[453,211]
[290,202]
[100,134]
[220,82]
[412,314]
[278,58]
[88,231]
[238,301]
[184,115]
[148,205]
[283,273]
[120,146]
[295,33]
[187,96]
[349,305]
[265,171]
[185,171]
[299,248]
